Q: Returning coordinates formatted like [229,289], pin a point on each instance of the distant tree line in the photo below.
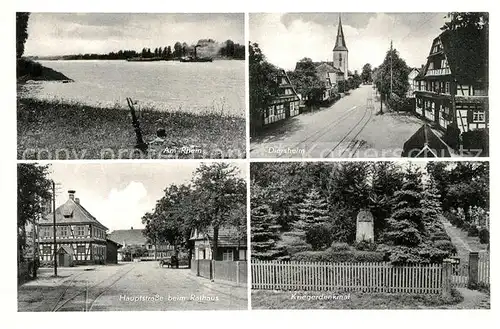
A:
[205,47]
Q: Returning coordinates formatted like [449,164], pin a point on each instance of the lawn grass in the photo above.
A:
[268,299]
[51,129]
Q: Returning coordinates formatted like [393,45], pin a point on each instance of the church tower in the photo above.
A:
[340,52]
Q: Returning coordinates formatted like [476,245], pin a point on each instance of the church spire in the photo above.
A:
[340,42]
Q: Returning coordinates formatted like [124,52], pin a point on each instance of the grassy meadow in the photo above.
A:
[269,299]
[52,129]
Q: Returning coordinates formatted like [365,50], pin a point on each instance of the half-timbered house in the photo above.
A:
[81,234]
[453,87]
[414,73]
[231,244]
[285,104]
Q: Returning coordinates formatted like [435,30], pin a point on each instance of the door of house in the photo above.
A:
[60,259]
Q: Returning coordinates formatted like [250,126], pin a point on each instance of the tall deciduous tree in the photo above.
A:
[170,221]
[458,20]
[33,194]
[177,49]
[366,73]
[218,190]
[399,78]
[263,86]
[21,32]
[306,81]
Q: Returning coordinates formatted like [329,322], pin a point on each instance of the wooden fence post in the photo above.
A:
[473,268]
[212,270]
[238,272]
[446,279]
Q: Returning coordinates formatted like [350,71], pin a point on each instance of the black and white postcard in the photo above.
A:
[120,86]
[368,85]
[124,237]
[370,235]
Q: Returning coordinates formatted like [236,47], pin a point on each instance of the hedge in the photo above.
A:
[473,231]
[484,236]
[440,236]
[445,245]
[340,246]
[338,256]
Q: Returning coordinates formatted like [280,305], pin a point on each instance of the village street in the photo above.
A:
[350,127]
[141,286]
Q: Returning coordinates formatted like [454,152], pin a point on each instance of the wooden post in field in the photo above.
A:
[473,268]
[446,279]
[140,145]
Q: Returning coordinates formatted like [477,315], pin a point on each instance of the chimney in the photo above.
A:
[77,200]
[71,194]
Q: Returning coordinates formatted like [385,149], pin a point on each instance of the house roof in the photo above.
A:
[67,249]
[424,143]
[467,53]
[72,212]
[118,245]
[421,74]
[128,237]
[228,236]
[340,41]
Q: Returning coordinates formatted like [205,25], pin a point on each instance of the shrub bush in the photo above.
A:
[368,256]
[340,246]
[366,246]
[330,256]
[310,256]
[445,245]
[484,236]
[440,236]
[453,218]
[472,231]
[319,236]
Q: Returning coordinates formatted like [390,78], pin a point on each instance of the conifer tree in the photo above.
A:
[265,235]
[431,203]
[405,226]
[312,211]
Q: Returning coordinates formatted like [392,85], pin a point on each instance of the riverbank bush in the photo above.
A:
[30,70]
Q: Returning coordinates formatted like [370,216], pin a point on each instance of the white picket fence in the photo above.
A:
[368,277]
[460,272]
[483,268]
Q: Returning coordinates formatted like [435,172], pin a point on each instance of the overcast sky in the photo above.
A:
[287,38]
[119,194]
[74,33]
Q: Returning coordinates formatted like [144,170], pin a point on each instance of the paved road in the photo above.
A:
[128,287]
[348,128]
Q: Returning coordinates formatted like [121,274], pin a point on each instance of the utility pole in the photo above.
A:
[35,248]
[54,218]
[390,95]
